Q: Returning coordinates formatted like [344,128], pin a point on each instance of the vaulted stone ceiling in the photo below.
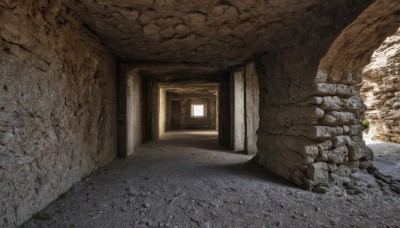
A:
[222,32]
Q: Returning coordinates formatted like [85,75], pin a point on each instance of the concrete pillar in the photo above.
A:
[252,108]
[130,111]
[238,109]
[131,128]
[153,104]
[224,111]
[217,112]
[162,112]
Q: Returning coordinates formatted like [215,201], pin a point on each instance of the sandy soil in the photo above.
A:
[187,180]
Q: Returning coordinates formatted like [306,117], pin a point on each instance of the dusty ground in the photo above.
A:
[387,157]
[186,180]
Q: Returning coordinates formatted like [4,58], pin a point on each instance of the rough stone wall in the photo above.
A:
[213,112]
[309,133]
[162,113]
[152,102]
[252,108]
[130,110]
[238,110]
[57,106]
[380,90]
[137,102]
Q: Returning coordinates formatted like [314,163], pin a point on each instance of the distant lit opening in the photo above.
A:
[198,110]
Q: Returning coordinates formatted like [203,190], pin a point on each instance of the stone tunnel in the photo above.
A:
[85,82]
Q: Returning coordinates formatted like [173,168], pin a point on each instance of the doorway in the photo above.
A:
[175,114]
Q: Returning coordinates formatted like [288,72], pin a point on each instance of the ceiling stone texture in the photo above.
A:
[222,33]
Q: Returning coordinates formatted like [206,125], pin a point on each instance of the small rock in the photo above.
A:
[339,194]
[365,165]
[206,225]
[350,186]
[202,204]
[381,183]
[380,176]
[333,222]
[146,205]
[320,189]
[371,169]
[373,186]
[358,191]
[395,188]
[350,191]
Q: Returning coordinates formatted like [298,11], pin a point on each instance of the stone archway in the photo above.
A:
[311,110]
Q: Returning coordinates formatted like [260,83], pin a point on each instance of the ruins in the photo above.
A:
[286,83]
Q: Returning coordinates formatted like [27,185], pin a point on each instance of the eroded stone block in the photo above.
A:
[339,118]
[358,150]
[318,172]
[337,155]
[331,103]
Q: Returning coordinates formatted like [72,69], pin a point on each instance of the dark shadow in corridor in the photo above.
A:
[200,139]
[208,140]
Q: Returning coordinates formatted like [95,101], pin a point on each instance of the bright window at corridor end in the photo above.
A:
[198,110]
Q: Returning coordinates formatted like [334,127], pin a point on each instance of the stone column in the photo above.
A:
[238,116]
[130,110]
[310,129]
[252,108]
[310,107]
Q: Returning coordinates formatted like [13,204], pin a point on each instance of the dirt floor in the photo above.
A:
[187,180]
[387,157]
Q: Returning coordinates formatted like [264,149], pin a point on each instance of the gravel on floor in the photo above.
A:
[187,180]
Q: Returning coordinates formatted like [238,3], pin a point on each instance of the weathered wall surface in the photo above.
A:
[130,110]
[380,90]
[137,112]
[162,112]
[238,110]
[57,106]
[309,134]
[213,111]
[252,108]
